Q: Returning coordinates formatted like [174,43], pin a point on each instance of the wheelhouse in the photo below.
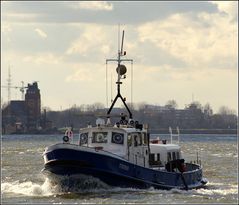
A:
[109,139]
[130,143]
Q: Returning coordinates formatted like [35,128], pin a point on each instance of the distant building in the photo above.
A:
[33,106]
[24,116]
[14,117]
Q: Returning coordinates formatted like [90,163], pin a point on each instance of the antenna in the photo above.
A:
[122,43]
[121,70]
[118,37]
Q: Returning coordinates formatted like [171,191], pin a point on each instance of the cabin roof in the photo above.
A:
[163,147]
[111,128]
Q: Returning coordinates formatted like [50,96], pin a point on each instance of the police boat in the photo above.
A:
[120,154]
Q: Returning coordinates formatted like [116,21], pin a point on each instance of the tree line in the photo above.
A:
[159,118]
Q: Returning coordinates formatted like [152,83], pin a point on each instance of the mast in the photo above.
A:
[121,70]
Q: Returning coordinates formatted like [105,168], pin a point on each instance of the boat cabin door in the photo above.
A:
[137,149]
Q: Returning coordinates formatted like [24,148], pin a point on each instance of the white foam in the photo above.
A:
[49,187]
[214,189]
[27,188]
[217,189]
[93,185]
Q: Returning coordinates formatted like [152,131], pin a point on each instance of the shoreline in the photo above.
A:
[195,131]
[151,131]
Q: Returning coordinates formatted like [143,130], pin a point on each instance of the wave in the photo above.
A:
[27,188]
[212,189]
[89,185]
[219,189]
[55,185]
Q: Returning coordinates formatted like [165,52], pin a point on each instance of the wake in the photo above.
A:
[92,185]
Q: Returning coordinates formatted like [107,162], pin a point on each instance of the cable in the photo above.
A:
[111,83]
[106,70]
[131,85]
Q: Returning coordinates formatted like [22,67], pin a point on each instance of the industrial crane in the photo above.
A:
[16,87]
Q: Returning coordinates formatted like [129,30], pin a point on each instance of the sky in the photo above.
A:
[182,51]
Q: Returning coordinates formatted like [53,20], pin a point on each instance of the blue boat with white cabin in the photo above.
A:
[120,154]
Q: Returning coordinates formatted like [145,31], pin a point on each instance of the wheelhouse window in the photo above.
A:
[83,138]
[117,138]
[158,157]
[154,159]
[174,155]
[137,139]
[99,137]
[145,138]
[151,158]
[129,140]
[140,139]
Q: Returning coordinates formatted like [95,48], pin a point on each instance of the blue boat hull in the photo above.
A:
[116,171]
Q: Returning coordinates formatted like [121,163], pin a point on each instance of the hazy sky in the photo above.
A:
[181,50]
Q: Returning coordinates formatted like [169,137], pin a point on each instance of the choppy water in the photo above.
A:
[23,182]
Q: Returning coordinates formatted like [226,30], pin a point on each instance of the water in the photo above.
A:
[23,182]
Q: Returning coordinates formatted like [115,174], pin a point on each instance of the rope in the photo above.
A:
[106,73]
[132,84]
[111,90]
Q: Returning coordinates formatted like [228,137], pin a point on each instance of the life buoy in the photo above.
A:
[69,133]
